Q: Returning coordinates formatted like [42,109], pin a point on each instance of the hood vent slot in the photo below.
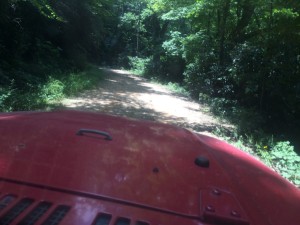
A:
[36,213]
[122,221]
[106,219]
[141,223]
[6,200]
[103,219]
[57,215]
[15,211]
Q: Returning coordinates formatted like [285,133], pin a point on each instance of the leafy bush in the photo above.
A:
[282,157]
[76,82]
[193,79]
[53,90]
[138,65]
[5,93]
[286,161]
[234,139]
[177,88]
[20,100]
[174,46]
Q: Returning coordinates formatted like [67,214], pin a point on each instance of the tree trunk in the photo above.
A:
[223,23]
[244,14]
[137,37]
[271,22]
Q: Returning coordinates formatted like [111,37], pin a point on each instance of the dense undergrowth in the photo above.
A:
[47,93]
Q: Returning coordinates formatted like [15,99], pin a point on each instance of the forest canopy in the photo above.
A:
[243,54]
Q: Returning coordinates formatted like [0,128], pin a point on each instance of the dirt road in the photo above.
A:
[121,93]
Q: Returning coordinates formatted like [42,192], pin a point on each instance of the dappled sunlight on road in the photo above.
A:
[177,107]
[127,95]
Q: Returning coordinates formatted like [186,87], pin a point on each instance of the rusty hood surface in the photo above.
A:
[142,165]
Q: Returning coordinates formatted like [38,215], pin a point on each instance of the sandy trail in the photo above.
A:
[121,93]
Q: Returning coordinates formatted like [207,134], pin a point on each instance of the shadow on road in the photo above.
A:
[123,94]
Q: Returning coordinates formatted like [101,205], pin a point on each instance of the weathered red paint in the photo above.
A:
[147,172]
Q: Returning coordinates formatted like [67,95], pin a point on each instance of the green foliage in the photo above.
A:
[172,86]
[233,138]
[77,82]
[130,20]
[5,94]
[177,88]
[53,90]
[45,9]
[282,157]
[178,13]
[278,155]
[286,12]
[174,45]
[138,65]
[247,120]
[23,100]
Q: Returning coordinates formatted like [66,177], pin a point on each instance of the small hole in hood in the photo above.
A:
[202,161]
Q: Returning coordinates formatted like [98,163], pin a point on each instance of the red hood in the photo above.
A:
[146,165]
